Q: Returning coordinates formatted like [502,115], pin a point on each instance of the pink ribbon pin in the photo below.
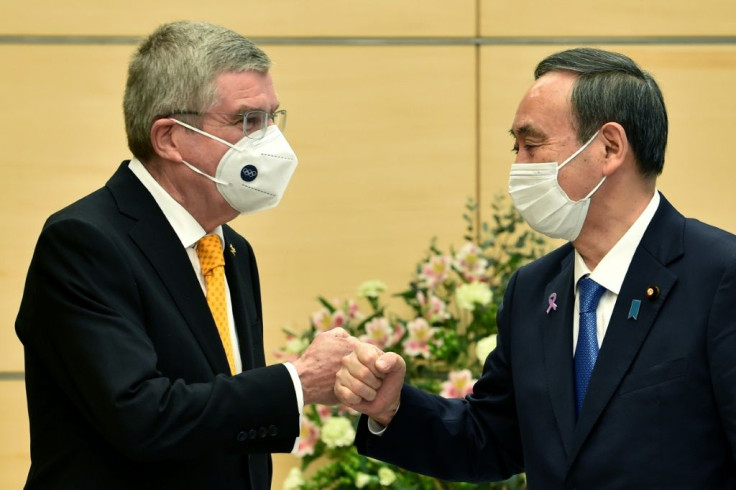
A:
[551,302]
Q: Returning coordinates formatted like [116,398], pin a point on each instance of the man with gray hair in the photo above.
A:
[615,365]
[141,317]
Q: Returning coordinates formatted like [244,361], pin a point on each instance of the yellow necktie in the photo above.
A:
[212,262]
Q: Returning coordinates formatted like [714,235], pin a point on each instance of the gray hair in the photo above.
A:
[613,88]
[174,69]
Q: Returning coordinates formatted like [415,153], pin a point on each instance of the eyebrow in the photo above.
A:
[525,130]
[243,109]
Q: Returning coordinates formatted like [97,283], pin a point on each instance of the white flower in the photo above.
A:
[484,347]
[468,295]
[321,319]
[294,480]
[458,384]
[386,477]
[435,270]
[379,333]
[362,479]
[470,262]
[371,289]
[420,334]
[433,308]
[338,432]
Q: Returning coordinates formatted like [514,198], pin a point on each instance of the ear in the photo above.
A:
[164,141]
[616,146]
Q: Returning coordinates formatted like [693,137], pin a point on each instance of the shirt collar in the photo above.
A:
[185,226]
[611,270]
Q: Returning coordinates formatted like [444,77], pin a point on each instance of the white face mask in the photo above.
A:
[541,201]
[253,174]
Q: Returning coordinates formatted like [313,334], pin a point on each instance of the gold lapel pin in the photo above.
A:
[232,249]
[652,293]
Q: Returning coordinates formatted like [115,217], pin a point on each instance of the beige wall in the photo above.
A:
[392,136]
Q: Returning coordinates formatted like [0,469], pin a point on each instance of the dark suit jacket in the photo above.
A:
[660,410]
[124,367]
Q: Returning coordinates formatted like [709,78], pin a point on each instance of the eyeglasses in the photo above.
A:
[255,123]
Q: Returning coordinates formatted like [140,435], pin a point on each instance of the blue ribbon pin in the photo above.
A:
[634,310]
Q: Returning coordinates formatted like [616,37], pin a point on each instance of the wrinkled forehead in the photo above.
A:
[246,90]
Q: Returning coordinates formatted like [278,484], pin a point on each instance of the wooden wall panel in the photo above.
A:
[64,131]
[387,160]
[274,18]
[697,83]
[532,18]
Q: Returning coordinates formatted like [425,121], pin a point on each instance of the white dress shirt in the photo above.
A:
[189,232]
[611,271]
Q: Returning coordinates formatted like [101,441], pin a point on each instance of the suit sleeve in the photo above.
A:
[475,439]
[721,349]
[81,324]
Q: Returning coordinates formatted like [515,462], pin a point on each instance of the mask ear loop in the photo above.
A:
[213,179]
[596,188]
[203,133]
[579,150]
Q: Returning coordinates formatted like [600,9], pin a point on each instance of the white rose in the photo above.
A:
[338,432]
[371,289]
[484,347]
[468,295]
[294,480]
[361,480]
[386,477]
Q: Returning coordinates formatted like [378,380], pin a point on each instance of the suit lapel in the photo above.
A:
[158,242]
[625,334]
[624,337]
[240,282]
[557,335]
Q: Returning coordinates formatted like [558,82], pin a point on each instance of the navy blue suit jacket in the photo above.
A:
[660,410]
[125,372]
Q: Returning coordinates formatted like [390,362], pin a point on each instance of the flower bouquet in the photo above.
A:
[444,329]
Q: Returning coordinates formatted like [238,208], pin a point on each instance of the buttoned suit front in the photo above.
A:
[660,410]
[127,381]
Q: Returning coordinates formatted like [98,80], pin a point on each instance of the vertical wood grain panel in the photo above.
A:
[532,18]
[387,160]
[63,127]
[274,18]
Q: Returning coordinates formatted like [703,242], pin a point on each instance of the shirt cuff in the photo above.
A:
[376,428]
[299,400]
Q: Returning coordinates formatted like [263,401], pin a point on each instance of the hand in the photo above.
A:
[318,365]
[370,382]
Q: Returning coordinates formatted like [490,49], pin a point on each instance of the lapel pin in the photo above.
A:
[551,305]
[232,249]
[634,310]
[652,293]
